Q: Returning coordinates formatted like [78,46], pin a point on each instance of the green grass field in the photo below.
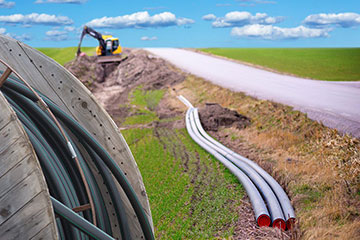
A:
[192,195]
[333,64]
[64,55]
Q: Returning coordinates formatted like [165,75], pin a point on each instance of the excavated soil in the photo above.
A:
[112,83]
[213,116]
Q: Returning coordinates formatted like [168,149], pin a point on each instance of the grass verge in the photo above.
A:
[192,196]
[143,106]
[333,64]
[319,168]
[64,55]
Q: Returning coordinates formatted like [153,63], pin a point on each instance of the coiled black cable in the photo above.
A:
[63,180]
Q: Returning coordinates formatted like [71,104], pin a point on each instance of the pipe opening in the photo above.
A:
[279,223]
[263,220]
[290,223]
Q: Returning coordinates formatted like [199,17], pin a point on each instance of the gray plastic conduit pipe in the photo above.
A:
[281,195]
[258,204]
[277,217]
[78,221]
[185,101]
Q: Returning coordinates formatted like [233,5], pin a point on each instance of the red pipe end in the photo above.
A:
[290,223]
[263,220]
[279,223]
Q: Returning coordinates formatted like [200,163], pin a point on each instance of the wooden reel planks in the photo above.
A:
[72,97]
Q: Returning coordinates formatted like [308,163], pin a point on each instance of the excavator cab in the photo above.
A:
[112,46]
[109,49]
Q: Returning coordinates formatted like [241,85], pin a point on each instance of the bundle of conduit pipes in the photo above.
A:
[56,138]
[270,203]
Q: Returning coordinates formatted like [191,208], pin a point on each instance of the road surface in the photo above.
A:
[335,104]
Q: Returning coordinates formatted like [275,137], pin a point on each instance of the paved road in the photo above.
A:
[336,104]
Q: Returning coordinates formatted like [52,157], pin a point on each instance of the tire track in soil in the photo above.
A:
[179,151]
[197,172]
[197,169]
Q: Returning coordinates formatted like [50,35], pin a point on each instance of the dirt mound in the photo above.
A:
[213,116]
[88,71]
[111,83]
[84,68]
[145,69]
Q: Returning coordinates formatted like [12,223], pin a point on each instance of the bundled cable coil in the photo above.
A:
[75,194]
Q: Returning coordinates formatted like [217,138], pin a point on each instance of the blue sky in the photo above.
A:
[200,23]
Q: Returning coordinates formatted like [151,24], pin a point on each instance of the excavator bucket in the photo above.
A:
[111,59]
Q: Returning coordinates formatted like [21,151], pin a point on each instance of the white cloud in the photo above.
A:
[140,20]
[23,37]
[61,1]
[209,17]
[340,20]
[184,21]
[5,4]
[36,18]
[273,33]
[238,19]
[69,28]
[56,35]
[146,38]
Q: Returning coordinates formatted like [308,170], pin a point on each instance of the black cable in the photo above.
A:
[114,193]
[50,162]
[78,221]
[42,120]
[53,184]
[102,216]
[99,156]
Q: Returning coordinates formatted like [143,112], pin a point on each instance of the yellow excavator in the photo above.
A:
[109,49]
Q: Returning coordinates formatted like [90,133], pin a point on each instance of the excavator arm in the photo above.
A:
[94,34]
[110,48]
